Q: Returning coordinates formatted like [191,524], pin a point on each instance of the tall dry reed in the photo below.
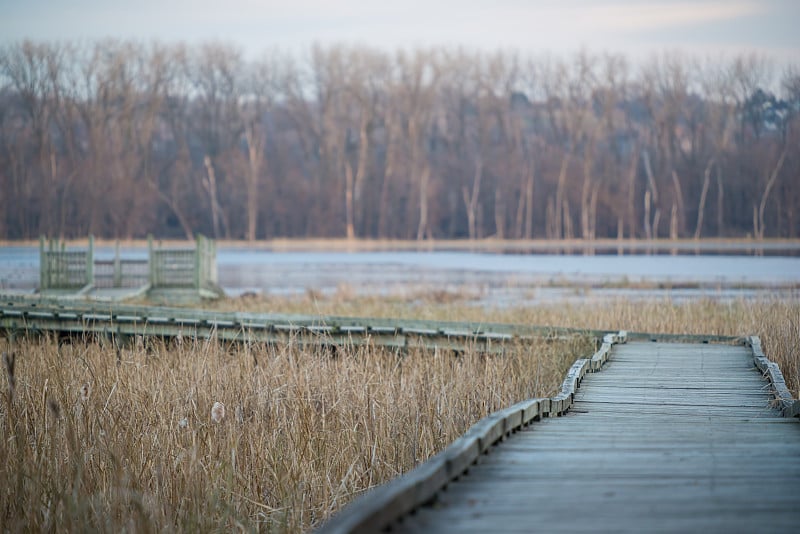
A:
[776,319]
[197,437]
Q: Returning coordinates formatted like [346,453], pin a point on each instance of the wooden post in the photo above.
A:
[90,262]
[117,266]
[63,263]
[151,260]
[43,268]
[212,262]
[197,261]
[55,264]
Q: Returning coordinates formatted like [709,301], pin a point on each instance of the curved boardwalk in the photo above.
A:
[668,437]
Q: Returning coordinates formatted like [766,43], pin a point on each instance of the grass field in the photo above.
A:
[94,444]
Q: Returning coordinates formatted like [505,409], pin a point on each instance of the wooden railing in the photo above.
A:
[121,272]
[164,268]
[191,268]
[60,268]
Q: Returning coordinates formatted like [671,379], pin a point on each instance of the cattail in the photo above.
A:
[217,412]
[8,361]
[85,390]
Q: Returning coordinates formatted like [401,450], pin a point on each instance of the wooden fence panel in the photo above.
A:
[173,268]
[121,273]
[65,269]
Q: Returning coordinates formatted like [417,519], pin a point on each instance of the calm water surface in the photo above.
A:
[502,277]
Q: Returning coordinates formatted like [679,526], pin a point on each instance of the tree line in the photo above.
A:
[121,139]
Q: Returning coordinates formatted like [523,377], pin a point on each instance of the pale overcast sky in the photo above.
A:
[634,27]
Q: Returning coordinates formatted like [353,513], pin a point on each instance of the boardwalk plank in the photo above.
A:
[667,438]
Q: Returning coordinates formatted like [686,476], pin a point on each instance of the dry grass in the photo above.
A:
[89,444]
[775,319]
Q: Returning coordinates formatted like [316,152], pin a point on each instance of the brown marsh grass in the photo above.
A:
[199,437]
[775,319]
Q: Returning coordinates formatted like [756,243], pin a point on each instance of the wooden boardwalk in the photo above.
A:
[667,438]
[122,323]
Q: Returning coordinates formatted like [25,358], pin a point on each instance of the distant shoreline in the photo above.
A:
[490,245]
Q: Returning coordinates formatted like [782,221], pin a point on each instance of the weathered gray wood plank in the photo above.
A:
[668,438]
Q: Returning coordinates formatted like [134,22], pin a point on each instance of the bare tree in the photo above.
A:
[261,91]
[758,229]
[32,72]
[367,73]
[121,139]
[419,75]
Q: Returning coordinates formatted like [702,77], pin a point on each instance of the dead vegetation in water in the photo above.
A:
[199,437]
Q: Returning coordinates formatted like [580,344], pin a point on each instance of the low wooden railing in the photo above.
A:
[789,406]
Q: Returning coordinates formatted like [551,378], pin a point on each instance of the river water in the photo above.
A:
[495,278]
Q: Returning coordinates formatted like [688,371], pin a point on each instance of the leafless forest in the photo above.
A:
[121,139]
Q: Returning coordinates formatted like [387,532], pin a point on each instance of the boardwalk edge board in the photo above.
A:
[385,504]
[789,406]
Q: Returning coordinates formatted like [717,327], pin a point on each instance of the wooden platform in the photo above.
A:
[667,438]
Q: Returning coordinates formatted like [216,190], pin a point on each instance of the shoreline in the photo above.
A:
[489,245]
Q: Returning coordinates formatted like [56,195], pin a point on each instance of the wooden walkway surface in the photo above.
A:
[667,438]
